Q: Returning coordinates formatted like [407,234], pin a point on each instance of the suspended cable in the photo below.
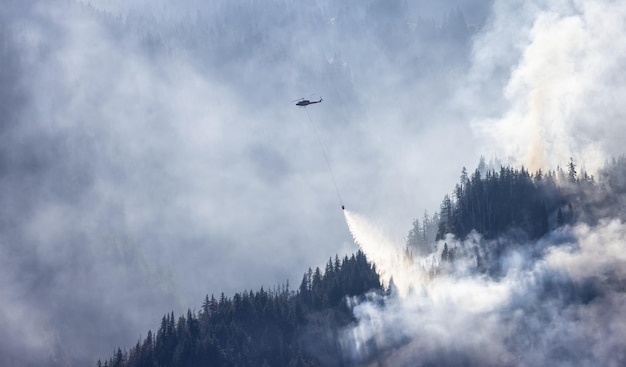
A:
[319,140]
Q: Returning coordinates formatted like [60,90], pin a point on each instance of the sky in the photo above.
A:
[152,152]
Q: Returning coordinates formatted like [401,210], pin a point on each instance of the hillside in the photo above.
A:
[509,200]
[277,327]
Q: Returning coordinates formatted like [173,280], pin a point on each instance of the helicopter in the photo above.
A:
[305,102]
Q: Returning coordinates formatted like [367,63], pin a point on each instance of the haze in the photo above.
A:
[151,152]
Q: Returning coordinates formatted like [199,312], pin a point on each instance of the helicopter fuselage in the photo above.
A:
[306,102]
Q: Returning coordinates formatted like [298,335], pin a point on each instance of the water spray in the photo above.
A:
[389,255]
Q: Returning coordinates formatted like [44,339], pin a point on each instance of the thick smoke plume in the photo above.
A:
[561,62]
[557,301]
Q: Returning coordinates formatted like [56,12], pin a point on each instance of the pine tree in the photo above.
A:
[445,254]
[571,172]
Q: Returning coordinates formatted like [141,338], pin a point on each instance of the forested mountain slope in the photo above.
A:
[495,201]
[277,327]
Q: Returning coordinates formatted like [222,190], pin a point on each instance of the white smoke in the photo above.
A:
[557,301]
[599,253]
[564,90]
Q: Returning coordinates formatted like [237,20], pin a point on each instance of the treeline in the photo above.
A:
[493,202]
[264,328]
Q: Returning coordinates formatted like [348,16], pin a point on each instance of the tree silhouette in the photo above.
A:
[263,327]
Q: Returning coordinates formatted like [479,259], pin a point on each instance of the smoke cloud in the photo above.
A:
[561,63]
[557,301]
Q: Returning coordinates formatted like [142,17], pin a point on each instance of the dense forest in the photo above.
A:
[277,327]
[520,204]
